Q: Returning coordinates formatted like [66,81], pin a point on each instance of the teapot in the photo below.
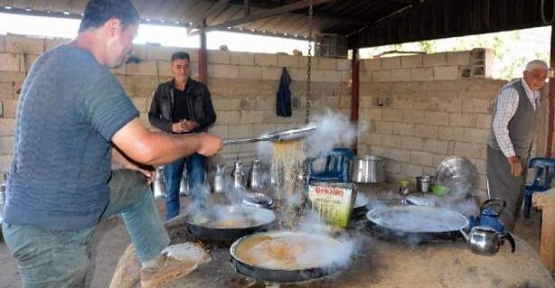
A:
[255,176]
[238,175]
[490,211]
[219,179]
[158,185]
[486,241]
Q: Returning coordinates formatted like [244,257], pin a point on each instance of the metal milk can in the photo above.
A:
[219,179]
[255,176]
[238,175]
[158,186]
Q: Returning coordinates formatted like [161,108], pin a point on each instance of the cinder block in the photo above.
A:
[265,59]
[325,63]
[10,108]
[50,43]
[451,133]
[458,58]
[398,75]
[2,43]
[219,57]
[393,141]
[241,58]
[433,60]
[219,130]
[229,117]
[372,64]
[422,158]
[483,106]
[391,115]
[399,155]
[381,76]
[474,135]
[266,102]
[251,117]
[271,73]
[412,116]
[5,162]
[6,145]
[426,131]
[383,127]
[437,118]
[391,63]
[332,76]
[288,61]
[226,104]
[24,44]
[9,62]
[7,127]
[248,103]
[240,131]
[403,129]
[412,61]
[446,72]
[226,71]
[346,76]
[365,76]
[142,68]
[412,143]
[250,72]
[483,121]
[470,150]
[344,64]
[27,62]
[162,52]
[422,74]
[297,74]
[436,146]
[259,129]
[462,120]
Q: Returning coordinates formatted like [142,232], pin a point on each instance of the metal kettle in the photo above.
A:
[490,211]
[486,240]
[218,186]
[184,184]
[238,175]
[255,176]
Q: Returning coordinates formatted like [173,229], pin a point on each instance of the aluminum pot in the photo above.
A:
[368,169]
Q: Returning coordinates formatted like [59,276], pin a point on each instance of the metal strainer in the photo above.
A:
[284,135]
[456,172]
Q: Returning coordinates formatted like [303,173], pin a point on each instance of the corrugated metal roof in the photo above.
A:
[340,17]
[364,22]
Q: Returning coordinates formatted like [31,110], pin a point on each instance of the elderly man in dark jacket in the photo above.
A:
[179,106]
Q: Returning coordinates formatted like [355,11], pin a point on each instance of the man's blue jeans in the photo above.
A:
[60,259]
[173,172]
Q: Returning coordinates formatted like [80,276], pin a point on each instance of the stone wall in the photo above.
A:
[243,87]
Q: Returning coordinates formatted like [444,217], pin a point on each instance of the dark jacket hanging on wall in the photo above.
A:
[283,99]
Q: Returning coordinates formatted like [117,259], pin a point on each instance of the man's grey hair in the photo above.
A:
[536,64]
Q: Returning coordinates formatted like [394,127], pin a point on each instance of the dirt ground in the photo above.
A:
[111,239]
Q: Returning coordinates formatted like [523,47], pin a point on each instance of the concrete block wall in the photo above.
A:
[243,87]
[421,110]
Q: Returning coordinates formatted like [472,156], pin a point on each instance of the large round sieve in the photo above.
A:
[456,172]
[286,256]
[284,135]
[417,223]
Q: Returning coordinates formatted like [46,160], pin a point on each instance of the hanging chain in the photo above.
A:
[308,91]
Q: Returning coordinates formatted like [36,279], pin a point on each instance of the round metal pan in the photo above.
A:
[255,256]
[416,224]
[250,219]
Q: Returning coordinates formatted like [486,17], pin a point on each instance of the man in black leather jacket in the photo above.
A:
[182,105]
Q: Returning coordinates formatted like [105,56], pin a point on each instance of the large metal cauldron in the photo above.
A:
[228,223]
[288,256]
[416,224]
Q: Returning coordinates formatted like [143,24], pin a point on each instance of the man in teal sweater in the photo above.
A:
[73,118]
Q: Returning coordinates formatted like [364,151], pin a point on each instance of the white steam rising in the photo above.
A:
[332,130]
